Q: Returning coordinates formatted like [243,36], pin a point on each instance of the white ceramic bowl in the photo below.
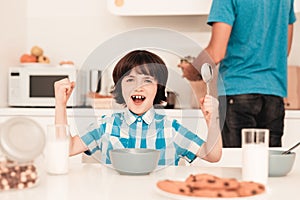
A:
[134,161]
[280,164]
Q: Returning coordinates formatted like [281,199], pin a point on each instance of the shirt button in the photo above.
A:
[139,119]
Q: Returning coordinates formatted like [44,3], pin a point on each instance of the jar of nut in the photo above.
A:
[21,142]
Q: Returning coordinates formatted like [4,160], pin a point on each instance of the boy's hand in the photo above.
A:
[210,108]
[189,71]
[63,90]
[212,149]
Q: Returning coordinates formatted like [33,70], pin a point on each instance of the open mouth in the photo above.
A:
[138,98]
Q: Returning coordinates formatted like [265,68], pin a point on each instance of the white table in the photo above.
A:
[95,181]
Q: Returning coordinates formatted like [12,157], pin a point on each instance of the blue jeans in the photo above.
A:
[251,111]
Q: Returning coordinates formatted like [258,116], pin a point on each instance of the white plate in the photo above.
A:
[36,64]
[262,196]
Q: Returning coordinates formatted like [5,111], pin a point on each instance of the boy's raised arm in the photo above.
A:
[212,148]
[63,90]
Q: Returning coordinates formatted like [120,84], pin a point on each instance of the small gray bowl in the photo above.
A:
[280,164]
[134,161]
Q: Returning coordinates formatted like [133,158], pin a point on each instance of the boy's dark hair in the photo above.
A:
[144,62]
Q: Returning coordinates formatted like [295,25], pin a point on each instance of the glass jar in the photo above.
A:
[21,142]
[15,175]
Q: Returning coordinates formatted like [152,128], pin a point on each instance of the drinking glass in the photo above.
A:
[255,148]
[57,149]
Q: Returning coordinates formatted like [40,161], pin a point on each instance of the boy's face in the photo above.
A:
[139,91]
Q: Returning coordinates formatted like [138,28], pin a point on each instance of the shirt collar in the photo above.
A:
[131,117]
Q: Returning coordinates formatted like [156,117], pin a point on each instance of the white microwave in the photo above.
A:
[33,86]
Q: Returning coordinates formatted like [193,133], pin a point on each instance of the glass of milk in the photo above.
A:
[57,149]
[255,148]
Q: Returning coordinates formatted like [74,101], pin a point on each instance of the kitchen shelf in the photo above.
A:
[164,7]
[158,7]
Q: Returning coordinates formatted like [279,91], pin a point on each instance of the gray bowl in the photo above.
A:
[134,161]
[279,164]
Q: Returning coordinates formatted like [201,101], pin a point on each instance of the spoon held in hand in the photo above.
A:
[207,74]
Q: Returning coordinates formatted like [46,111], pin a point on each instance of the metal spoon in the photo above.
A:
[289,150]
[207,74]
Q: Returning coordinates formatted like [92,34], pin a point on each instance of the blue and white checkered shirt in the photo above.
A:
[151,130]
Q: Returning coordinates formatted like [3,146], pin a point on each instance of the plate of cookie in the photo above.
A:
[203,186]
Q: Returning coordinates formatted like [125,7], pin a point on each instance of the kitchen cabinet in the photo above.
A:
[80,118]
[164,7]
[291,128]
[292,101]
[158,7]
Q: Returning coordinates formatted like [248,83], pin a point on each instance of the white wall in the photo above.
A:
[13,36]
[71,29]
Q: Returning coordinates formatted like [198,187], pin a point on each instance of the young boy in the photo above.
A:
[140,78]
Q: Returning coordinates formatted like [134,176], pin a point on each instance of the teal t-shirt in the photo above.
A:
[256,56]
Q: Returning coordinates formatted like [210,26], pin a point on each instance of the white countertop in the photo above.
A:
[96,181]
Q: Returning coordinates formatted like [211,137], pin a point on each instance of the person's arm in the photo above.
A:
[212,54]
[212,148]
[77,146]
[217,46]
[63,90]
[290,37]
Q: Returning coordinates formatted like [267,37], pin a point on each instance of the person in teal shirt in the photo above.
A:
[251,40]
